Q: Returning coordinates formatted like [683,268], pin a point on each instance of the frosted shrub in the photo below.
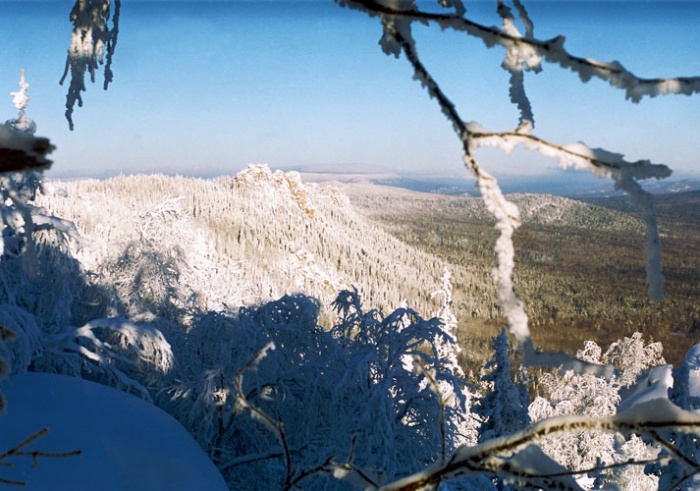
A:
[631,356]
[345,393]
[596,397]
[577,394]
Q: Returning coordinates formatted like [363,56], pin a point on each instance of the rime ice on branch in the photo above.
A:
[20,99]
[526,53]
[19,148]
[90,40]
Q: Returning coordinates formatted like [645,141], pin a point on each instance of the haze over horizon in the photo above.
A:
[222,84]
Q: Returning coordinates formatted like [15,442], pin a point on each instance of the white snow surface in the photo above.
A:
[654,386]
[126,443]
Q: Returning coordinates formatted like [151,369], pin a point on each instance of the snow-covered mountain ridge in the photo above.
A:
[230,241]
[242,239]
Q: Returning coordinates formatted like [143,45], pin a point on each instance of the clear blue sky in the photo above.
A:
[223,84]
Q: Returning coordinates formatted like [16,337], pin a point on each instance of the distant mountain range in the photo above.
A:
[559,182]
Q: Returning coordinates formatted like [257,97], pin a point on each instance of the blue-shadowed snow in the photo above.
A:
[126,443]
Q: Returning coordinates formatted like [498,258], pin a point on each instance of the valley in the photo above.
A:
[579,265]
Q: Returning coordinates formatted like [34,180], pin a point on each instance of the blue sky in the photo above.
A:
[223,84]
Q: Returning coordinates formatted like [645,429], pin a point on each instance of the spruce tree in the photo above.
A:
[502,408]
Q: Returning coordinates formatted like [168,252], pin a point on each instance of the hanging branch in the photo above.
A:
[292,477]
[90,39]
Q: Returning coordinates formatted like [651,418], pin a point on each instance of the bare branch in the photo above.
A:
[18,451]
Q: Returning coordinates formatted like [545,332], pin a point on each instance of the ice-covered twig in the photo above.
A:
[577,155]
[551,50]
[518,60]
[525,19]
[491,457]
[19,148]
[505,212]
[91,37]
[603,164]
[275,427]
[522,53]
[507,220]
[644,200]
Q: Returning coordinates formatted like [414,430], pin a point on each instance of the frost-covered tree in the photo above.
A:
[686,394]
[503,407]
[631,356]
[593,396]
[322,401]
[19,148]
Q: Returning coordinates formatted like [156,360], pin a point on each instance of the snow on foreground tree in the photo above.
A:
[19,148]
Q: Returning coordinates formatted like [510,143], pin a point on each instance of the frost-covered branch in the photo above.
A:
[292,477]
[603,164]
[19,148]
[110,346]
[275,427]
[526,53]
[518,456]
[90,40]
[551,50]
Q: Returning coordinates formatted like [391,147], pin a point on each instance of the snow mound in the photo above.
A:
[126,443]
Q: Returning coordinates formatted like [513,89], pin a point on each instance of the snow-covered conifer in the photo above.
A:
[502,407]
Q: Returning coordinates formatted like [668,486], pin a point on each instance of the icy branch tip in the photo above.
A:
[20,98]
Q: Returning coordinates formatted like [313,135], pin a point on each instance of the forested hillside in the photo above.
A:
[579,265]
[238,240]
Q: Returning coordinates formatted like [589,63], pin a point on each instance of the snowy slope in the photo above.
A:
[258,236]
